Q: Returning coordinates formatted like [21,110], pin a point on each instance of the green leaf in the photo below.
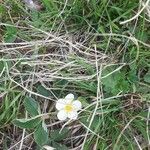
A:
[10,35]
[56,136]
[27,123]
[2,9]
[31,106]
[41,90]
[41,134]
[50,5]
[115,82]
[147,77]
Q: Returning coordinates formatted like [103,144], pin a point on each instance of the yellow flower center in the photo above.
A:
[68,108]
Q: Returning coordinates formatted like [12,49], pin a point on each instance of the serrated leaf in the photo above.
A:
[56,136]
[27,123]
[41,134]
[31,106]
[115,82]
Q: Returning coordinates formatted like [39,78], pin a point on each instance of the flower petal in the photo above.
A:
[69,97]
[62,115]
[77,105]
[72,115]
[60,104]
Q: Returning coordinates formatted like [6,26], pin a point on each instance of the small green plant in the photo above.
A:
[35,121]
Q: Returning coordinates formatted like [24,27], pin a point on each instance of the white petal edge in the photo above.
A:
[62,115]
[72,115]
[77,105]
[60,104]
[48,147]
[69,98]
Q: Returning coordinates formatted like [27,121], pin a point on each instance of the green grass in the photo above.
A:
[76,47]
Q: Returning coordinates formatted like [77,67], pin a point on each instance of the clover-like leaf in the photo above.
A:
[41,134]
[32,106]
[27,123]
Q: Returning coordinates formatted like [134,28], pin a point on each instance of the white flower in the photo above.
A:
[68,107]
